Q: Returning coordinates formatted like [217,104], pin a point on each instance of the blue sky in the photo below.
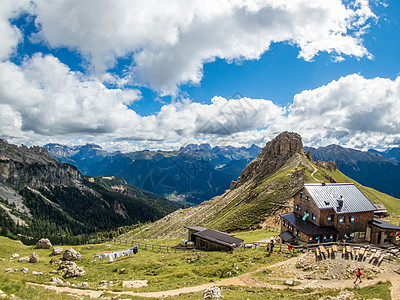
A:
[136,75]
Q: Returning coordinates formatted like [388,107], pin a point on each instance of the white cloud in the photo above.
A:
[353,111]
[10,34]
[169,42]
[52,100]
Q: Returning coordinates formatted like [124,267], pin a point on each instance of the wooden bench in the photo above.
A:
[361,254]
[323,251]
[380,260]
[330,252]
[334,248]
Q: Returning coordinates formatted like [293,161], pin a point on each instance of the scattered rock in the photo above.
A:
[134,284]
[85,284]
[343,295]
[15,255]
[24,270]
[37,273]
[34,258]
[53,272]
[55,281]
[23,259]
[44,244]
[9,270]
[212,293]
[71,254]
[72,270]
[57,250]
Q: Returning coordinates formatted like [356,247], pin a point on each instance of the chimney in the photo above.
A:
[340,202]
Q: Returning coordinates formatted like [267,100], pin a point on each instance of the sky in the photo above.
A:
[132,75]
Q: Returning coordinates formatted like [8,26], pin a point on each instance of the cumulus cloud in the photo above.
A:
[49,99]
[10,34]
[352,111]
[168,42]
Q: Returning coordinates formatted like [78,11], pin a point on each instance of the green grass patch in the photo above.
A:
[381,290]
[255,235]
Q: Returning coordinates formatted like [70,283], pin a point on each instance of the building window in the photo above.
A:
[341,219]
[307,197]
[297,207]
[306,215]
[352,235]
[345,236]
[331,237]
[330,218]
[352,219]
[310,239]
[318,238]
[301,195]
[314,217]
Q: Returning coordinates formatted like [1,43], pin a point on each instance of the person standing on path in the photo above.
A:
[358,274]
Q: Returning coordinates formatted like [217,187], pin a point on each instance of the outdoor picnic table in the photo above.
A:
[334,248]
[322,249]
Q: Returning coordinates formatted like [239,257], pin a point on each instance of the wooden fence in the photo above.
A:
[150,247]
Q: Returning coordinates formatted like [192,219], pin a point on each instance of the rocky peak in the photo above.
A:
[272,157]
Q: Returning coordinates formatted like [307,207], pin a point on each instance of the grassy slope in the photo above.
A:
[163,270]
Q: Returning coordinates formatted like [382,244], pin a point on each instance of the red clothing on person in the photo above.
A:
[290,247]
[358,272]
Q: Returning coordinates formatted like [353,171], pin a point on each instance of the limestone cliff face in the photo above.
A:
[20,166]
[272,157]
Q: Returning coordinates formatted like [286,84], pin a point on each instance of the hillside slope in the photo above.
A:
[261,193]
[40,196]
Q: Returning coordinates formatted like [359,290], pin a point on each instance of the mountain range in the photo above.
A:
[368,168]
[197,173]
[40,196]
[191,175]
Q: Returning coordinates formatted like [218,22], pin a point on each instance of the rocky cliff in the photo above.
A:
[41,196]
[272,157]
[34,167]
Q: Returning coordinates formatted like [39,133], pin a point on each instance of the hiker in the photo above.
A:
[268,247]
[271,247]
[358,274]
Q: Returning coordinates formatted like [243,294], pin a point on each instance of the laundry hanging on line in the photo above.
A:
[112,255]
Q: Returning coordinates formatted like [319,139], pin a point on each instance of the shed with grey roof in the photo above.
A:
[209,239]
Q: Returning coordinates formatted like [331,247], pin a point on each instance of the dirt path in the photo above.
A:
[315,171]
[246,279]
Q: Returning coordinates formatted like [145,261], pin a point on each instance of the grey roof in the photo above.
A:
[384,225]
[219,238]
[196,228]
[306,226]
[287,236]
[327,195]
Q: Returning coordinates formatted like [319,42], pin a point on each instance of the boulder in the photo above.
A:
[212,293]
[71,254]
[57,250]
[15,255]
[34,258]
[37,273]
[44,244]
[23,259]
[24,270]
[55,281]
[72,270]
